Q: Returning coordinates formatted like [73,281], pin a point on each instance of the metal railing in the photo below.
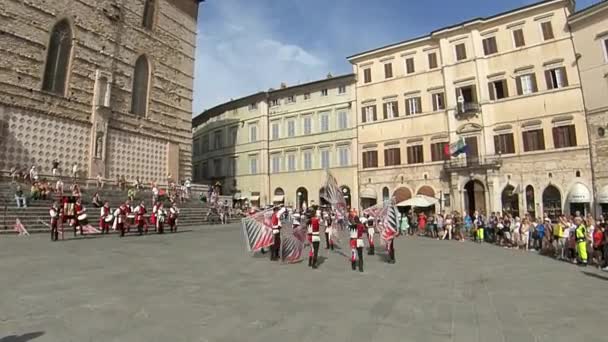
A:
[473,162]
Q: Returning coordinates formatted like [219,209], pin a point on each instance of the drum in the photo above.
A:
[131,219]
[109,218]
[161,219]
[82,219]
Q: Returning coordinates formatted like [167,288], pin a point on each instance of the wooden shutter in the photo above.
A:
[407,108]
[374,113]
[409,63]
[505,88]
[564,75]
[418,104]
[547,30]
[492,91]
[385,109]
[388,70]
[541,139]
[548,79]
[434,100]
[572,135]
[533,80]
[526,139]
[363,118]
[518,84]
[518,37]
[367,75]
[510,143]
[461,52]
[432,60]
[497,147]
[557,139]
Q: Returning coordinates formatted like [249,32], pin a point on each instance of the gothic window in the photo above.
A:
[139,104]
[149,9]
[58,59]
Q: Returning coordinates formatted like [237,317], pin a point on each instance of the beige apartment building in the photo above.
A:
[103,85]
[590,32]
[274,147]
[507,86]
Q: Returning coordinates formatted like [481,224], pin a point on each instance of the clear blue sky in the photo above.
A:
[245,46]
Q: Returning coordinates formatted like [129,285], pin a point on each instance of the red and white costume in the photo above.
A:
[160,218]
[356,244]
[104,215]
[140,218]
[315,228]
[80,219]
[119,219]
[173,214]
[276,232]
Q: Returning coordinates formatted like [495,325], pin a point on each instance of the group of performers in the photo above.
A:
[72,211]
[313,219]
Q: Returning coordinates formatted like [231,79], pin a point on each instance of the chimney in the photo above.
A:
[283,85]
[329,75]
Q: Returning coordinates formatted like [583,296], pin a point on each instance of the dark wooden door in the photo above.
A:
[472,150]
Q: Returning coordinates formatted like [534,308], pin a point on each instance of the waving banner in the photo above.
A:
[257,229]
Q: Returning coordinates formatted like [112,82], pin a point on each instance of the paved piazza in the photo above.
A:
[201,285]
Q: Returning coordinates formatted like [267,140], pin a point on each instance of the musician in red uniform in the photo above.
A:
[54,212]
[104,215]
[315,224]
[173,214]
[119,219]
[276,232]
[357,230]
[140,219]
[80,210]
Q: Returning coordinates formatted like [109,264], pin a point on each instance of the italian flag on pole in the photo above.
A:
[456,148]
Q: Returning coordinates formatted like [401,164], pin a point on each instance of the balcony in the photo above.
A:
[466,110]
[473,163]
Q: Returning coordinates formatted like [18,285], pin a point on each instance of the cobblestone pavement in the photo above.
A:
[201,285]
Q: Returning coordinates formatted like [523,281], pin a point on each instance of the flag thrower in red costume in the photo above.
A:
[161,217]
[332,193]
[276,233]
[315,225]
[386,218]
[357,229]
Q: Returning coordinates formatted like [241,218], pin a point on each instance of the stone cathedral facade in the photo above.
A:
[103,84]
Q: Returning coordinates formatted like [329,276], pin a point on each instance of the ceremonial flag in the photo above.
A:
[292,249]
[457,148]
[386,219]
[258,234]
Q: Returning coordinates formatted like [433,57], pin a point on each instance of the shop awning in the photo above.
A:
[602,196]
[579,193]
[368,193]
[254,198]
[420,201]
[278,198]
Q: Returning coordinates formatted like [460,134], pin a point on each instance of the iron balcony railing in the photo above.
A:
[473,162]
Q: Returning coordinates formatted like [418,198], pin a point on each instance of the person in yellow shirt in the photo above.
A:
[581,240]
[560,238]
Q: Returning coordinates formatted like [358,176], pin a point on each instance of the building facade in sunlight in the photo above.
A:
[274,147]
[590,32]
[503,90]
[105,85]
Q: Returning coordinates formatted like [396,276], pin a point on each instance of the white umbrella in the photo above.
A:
[419,201]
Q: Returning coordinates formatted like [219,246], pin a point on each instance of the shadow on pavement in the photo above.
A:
[22,338]
[320,260]
[594,275]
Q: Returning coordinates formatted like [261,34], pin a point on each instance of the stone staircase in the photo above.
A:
[35,217]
